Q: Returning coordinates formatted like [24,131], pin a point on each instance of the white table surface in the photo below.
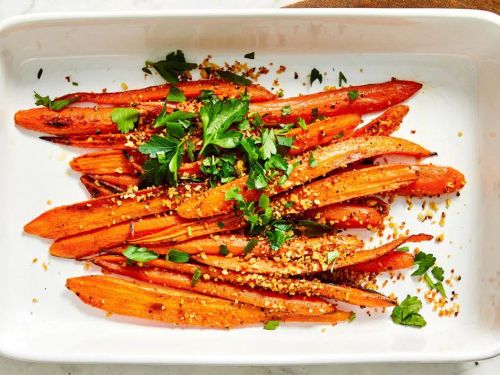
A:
[9,8]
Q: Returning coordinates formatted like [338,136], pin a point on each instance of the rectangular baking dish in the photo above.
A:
[454,53]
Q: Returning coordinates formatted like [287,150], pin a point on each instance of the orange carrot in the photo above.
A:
[344,186]
[118,181]
[108,141]
[370,98]
[385,124]
[388,262]
[328,158]
[269,300]
[434,180]
[91,242]
[347,215]
[103,162]
[330,130]
[80,217]
[96,190]
[191,90]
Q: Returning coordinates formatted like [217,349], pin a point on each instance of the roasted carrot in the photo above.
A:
[238,294]
[103,162]
[89,243]
[385,124]
[434,180]
[174,306]
[348,215]
[119,181]
[96,190]
[84,216]
[288,267]
[388,262]
[191,90]
[344,186]
[284,285]
[370,98]
[213,202]
[108,141]
[322,132]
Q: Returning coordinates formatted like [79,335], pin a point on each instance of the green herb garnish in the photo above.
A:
[176,95]
[234,78]
[170,68]
[286,110]
[223,250]
[316,75]
[196,276]
[125,118]
[312,162]
[302,123]
[250,55]
[139,254]
[424,262]
[353,94]
[342,78]
[403,249]
[55,105]
[177,256]
[219,168]
[165,158]
[407,313]
[250,245]
[271,325]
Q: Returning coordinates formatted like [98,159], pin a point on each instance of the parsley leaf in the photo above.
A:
[223,250]
[175,95]
[342,78]
[312,162]
[170,68]
[217,117]
[257,177]
[177,117]
[438,273]
[286,110]
[403,249]
[250,245]
[407,313]
[424,262]
[271,325]
[165,158]
[285,141]
[219,168]
[139,254]
[55,105]
[311,228]
[234,78]
[353,94]
[125,118]
[268,147]
[250,55]
[196,277]
[316,75]
[177,256]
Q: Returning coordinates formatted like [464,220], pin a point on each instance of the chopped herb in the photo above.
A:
[316,75]
[147,70]
[125,118]
[207,96]
[234,78]
[39,74]
[312,161]
[170,68]
[257,177]
[220,224]
[268,147]
[429,281]
[176,119]
[286,110]
[440,289]
[175,95]
[217,117]
[311,228]
[196,276]
[353,94]
[177,256]
[264,201]
[331,256]
[289,204]
[302,123]
[438,273]
[244,125]
[352,317]
[424,262]
[403,249]
[219,168]
[55,105]
[223,250]
[190,148]
[285,141]
[250,245]
[407,313]
[342,78]
[139,254]
[339,135]
[271,325]
[250,56]
[74,83]
[279,234]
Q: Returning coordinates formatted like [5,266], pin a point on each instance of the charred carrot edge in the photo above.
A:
[371,98]
[300,267]
[284,285]
[388,262]
[143,300]
[328,158]
[107,141]
[119,181]
[96,190]
[90,243]
[269,300]
[190,89]
[434,180]
[385,124]
[80,217]
[330,130]
[344,186]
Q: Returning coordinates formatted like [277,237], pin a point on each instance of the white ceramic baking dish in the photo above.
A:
[455,54]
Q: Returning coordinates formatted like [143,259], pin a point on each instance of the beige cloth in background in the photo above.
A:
[490,5]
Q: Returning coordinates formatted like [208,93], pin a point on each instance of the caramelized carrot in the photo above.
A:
[371,98]
[344,186]
[119,181]
[80,217]
[103,162]
[328,158]
[434,180]
[385,124]
[108,141]
[191,90]
[348,215]
[330,130]
[96,190]
[282,285]
[231,292]
[91,242]
[388,262]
